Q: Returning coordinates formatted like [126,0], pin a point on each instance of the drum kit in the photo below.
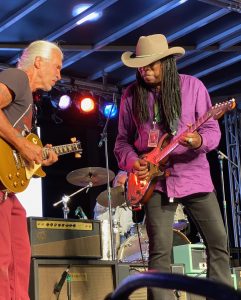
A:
[134,247]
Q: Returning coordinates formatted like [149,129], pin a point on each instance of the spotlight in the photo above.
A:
[78,9]
[86,104]
[109,110]
[64,102]
[61,102]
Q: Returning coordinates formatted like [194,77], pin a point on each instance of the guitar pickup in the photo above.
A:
[16,159]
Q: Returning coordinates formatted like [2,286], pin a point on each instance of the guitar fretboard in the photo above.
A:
[63,149]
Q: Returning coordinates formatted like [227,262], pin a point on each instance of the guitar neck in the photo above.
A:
[63,149]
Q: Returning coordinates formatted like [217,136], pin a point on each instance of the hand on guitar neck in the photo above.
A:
[50,157]
[192,140]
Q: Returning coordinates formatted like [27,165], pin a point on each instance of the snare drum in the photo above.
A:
[133,229]
[130,250]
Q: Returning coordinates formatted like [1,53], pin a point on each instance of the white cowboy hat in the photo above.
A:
[148,50]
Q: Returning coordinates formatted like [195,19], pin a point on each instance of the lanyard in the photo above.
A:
[156,114]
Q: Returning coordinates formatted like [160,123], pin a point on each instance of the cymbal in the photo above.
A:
[117,197]
[95,175]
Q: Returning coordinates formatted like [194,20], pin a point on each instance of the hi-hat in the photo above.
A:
[117,197]
[95,175]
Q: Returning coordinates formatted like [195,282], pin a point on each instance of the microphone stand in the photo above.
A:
[58,286]
[221,156]
[66,198]
[105,140]
[69,293]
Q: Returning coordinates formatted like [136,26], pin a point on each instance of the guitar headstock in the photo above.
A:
[77,147]
[219,109]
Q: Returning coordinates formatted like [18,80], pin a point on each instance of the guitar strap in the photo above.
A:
[34,119]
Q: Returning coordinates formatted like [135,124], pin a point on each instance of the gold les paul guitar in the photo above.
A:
[139,191]
[15,173]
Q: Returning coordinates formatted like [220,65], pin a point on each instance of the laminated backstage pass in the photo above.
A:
[153,138]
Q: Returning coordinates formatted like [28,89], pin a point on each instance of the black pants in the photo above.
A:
[205,212]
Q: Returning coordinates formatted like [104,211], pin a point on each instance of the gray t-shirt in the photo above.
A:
[19,111]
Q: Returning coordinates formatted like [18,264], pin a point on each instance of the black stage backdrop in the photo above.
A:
[88,128]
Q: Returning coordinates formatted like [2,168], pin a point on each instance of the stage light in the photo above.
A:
[64,102]
[78,9]
[110,110]
[61,102]
[87,104]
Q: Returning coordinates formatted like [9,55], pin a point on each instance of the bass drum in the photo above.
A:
[130,252]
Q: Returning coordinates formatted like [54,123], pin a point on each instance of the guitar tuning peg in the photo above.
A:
[77,155]
[73,139]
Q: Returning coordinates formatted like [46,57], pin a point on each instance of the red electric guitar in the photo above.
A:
[139,191]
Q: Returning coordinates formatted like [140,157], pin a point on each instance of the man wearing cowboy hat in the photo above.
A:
[163,101]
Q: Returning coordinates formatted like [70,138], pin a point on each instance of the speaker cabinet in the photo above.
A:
[125,270]
[90,279]
[193,256]
[237,273]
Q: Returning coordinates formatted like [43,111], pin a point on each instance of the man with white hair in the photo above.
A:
[38,68]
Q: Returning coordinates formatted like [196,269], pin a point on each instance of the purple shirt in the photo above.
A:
[189,168]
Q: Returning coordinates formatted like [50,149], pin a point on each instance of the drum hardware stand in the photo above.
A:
[65,199]
[221,156]
[105,140]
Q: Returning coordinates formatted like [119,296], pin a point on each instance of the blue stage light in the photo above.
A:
[110,110]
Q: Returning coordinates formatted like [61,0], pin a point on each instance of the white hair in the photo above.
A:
[38,48]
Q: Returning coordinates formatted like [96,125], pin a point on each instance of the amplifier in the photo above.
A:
[237,273]
[193,256]
[51,237]
[89,279]
[125,270]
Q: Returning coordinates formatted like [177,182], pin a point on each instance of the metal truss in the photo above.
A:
[233,144]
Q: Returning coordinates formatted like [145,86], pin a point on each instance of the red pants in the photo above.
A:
[14,250]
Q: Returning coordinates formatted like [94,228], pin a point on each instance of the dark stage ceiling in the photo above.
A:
[209,30]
